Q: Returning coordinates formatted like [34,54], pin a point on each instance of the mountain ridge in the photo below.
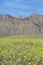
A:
[18,25]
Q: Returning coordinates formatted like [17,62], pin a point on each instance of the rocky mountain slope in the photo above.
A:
[17,25]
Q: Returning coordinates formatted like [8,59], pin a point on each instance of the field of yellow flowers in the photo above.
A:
[21,51]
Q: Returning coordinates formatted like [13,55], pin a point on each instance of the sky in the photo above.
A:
[21,7]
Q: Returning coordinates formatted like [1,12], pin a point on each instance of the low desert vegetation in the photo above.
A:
[21,51]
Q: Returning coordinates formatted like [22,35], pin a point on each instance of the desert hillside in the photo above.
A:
[17,25]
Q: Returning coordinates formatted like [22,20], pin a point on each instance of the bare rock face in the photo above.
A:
[17,25]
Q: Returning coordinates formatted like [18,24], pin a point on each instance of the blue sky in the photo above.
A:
[21,7]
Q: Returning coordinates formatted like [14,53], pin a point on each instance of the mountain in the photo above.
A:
[10,25]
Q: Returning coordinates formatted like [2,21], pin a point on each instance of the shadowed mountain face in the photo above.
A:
[17,25]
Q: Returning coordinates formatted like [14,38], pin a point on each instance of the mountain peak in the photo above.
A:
[19,16]
[35,15]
